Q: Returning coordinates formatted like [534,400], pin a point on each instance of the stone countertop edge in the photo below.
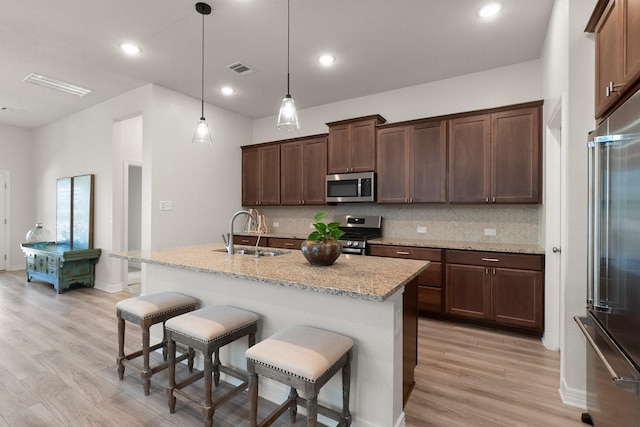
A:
[365,278]
[516,248]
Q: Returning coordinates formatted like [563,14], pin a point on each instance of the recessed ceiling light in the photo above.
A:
[326,60]
[130,48]
[490,9]
[227,90]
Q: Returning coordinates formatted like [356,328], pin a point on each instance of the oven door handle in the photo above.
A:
[358,251]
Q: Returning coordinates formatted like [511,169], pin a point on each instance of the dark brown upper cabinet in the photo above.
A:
[616,24]
[412,163]
[303,168]
[496,157]
[261,175]
[352,145]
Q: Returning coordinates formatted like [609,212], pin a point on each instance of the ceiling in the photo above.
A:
[379,45]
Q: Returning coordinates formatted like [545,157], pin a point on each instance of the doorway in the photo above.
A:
[133,223]
[553,228]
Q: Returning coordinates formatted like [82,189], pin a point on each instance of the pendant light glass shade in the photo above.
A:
[288,117]
[202,134]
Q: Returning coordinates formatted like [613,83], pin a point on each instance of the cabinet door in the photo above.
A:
[363,146]
[609,56]
[631,35]
[338,149]
[515,152]
[291,173]
[517,297]
[393,172]
[314,171]
[468,291]
[250,177]
[469,159]
[428,165]
[270,175]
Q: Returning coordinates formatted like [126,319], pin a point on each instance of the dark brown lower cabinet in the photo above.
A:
[429,281]
[285,243]
[499,288]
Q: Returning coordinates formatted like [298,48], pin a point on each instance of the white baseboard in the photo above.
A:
[572,396]
[110,288]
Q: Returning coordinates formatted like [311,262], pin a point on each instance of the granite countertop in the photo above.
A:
[425,243]
[362,277]
[451,244]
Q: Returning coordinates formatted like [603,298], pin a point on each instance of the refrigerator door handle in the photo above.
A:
[620,381]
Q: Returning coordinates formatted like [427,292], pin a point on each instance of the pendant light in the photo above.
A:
[202,135]
[288,116]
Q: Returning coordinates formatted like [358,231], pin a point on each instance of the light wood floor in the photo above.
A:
[57,368]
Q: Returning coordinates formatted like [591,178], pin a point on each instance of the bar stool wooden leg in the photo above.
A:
[293,406]
[312,411]
[146,369]
[208,410]
[171,349]
[253,399]
[216,368]
[120,347]
[346,387]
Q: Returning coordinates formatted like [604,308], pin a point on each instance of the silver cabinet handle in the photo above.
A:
[491,259]
[556,250]
[403,253]
[288,244]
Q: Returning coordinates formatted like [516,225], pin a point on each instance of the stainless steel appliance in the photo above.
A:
[351,187]
[612,324]
[357,229]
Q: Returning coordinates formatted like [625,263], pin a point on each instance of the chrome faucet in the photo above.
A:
[228,240]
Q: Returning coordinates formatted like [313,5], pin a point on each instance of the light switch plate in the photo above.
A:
[166,205]
[421,229]
[276,224]
[489,231]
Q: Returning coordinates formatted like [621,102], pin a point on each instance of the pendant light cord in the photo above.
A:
[288,48]
[202,74]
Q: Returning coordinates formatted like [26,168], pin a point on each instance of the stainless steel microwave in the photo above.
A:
[351,187]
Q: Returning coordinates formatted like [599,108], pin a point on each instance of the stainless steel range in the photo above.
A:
[357,229]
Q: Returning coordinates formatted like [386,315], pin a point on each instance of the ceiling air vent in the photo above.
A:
[240,68]
[51,83]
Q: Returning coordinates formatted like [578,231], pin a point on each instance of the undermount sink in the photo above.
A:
[260,252]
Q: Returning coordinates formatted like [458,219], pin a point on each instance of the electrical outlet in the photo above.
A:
[166,205]
[421,230]
[489,231]
[276,224]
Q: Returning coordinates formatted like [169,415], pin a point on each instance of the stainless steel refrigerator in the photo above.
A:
[612,323]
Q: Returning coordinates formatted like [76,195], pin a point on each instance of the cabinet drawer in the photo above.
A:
[246,240]
[278,242]
[408,252]
[496,259]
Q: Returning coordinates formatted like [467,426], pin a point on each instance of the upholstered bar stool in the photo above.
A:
[303,358]
[207,330]
[145,311]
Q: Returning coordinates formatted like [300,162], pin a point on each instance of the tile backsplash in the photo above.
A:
[518,224]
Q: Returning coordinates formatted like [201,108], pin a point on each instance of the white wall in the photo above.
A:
[16,148]
[568,73]
[195,179]
[203,182]
[487,89]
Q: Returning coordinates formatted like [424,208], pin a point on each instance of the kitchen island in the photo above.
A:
[361,297]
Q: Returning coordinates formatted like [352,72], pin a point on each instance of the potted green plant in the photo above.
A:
[322,246]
